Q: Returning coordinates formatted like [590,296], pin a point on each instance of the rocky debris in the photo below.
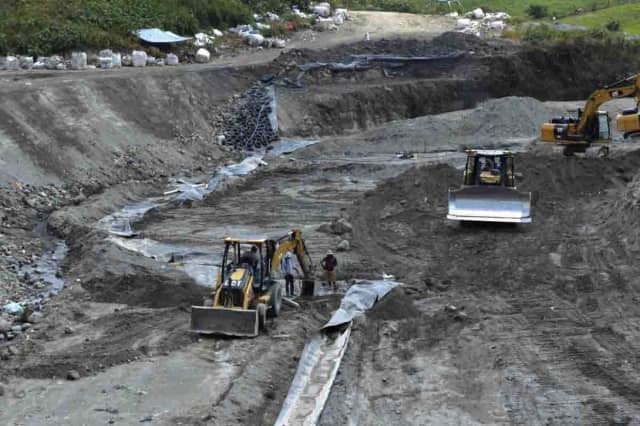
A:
[337,227]
[13,308]
[482,24]
[203,56]
[247,125]
[22,273]
[73,375]
[341,226]
[343,246]
[5,325]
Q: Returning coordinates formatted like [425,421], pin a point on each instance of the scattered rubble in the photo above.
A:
[481,23]
[73,375]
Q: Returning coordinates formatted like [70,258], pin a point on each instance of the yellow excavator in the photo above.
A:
[247,289]
[589,126]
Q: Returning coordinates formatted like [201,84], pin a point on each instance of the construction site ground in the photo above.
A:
[495,324]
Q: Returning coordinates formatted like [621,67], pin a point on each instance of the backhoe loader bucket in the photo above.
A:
[489,204]
[227,322]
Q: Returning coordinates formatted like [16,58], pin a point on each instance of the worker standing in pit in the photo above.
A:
[287,268]
[329,264]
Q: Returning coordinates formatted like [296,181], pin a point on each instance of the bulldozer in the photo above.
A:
[246,293]
[589,126]
[488,192]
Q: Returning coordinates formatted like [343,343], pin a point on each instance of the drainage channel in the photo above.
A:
[323,354]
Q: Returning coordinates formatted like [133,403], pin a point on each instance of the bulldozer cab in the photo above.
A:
[489,168]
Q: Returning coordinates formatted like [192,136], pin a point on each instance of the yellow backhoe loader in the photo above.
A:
[488,192]
[247,289]
[589,126]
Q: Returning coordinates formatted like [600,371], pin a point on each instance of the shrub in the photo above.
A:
[537,11]
[613,26]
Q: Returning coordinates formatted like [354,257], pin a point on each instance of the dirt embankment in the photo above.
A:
[107,129]
[469,70]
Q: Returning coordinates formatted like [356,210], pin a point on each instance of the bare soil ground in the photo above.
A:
[496,324]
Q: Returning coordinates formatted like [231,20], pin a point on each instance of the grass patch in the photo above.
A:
[627,16]
[517,9]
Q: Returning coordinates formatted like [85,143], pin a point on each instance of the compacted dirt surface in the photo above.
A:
[494,324]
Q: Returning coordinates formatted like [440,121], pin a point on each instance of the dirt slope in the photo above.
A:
[544,324]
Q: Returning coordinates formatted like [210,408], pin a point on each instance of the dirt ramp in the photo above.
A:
[134,280]
[141,287]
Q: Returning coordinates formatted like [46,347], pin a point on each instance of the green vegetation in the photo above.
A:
[517,9]
[627,17]
[40,27]
[538,11]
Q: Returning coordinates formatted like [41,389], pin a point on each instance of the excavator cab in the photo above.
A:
[488,192]
[246,289]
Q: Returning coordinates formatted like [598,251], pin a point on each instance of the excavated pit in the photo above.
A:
[541,316]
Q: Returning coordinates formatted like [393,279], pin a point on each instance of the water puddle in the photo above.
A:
[47,269]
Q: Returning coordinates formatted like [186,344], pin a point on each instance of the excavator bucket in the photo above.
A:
[489,204]
[223,321]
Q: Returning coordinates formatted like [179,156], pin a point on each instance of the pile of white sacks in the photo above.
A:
[253,37]
[479,23]
[106,59]
[325,21]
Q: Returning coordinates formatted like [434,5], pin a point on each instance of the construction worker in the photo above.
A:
[329,264]
[287,268]
[250,258]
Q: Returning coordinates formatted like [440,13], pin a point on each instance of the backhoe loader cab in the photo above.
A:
[247,289]
[488,192]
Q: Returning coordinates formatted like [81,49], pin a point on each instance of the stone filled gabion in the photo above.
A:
[247,126]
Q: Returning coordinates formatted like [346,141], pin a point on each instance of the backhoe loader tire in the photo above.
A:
[276,300]
[262,316]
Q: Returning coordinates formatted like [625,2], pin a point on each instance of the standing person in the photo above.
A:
[287,267]
[329,264]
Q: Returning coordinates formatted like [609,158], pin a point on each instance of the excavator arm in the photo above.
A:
[293,242]
[622,89]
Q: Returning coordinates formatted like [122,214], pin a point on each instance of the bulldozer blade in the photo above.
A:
[489,204]
[223,321]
